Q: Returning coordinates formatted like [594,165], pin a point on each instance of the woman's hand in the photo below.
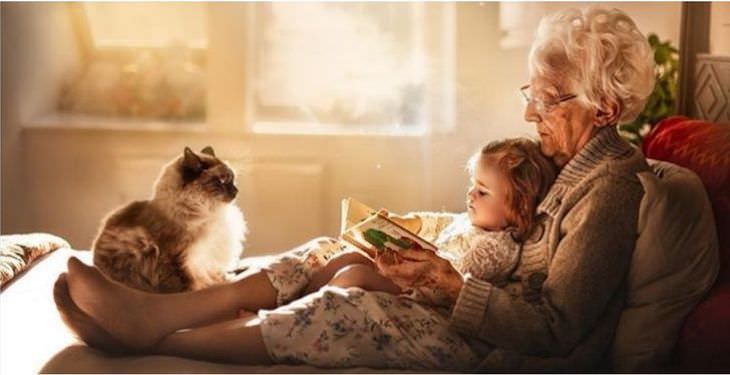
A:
[423,269]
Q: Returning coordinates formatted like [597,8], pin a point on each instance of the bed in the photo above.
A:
[34,339]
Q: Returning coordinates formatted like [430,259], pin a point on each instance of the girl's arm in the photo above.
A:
[490,256]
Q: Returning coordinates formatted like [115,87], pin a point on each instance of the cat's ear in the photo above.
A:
[191,161]
[208,150]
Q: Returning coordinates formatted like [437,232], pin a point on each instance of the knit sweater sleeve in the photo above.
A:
[490,256]
[590,263]
[432,223]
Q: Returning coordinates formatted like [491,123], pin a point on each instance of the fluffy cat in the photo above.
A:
[185,238]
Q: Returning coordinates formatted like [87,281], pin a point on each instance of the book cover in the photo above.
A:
[353,212]
[374,232]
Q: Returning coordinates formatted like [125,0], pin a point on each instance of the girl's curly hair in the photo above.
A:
[528,175]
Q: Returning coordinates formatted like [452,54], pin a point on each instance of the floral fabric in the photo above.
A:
[291,271]
[336,327]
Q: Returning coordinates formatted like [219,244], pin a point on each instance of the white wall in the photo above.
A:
[720,28]
[38,50]
[64,179]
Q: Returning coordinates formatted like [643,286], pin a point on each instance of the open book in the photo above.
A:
[374,232]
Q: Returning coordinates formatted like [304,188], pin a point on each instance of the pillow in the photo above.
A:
[674,264]
[703,343]
[699,145]
[704,148]
[19,251]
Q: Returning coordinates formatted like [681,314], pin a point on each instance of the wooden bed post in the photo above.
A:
[694,38]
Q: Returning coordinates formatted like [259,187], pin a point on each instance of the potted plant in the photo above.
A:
[663,100]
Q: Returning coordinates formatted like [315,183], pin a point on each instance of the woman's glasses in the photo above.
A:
[544,106]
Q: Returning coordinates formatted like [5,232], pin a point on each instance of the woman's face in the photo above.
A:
[565,128]
[485,199]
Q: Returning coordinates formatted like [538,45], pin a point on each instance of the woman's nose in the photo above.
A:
[531,114]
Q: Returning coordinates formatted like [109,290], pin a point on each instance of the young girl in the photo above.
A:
[333,326]
[508,180]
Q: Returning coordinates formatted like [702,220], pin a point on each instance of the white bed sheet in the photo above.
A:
[33,338]
[31,329]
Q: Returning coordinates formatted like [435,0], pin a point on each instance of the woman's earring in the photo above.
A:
[602,119]
[608,118]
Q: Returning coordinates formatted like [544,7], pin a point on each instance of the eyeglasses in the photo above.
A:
[543,106]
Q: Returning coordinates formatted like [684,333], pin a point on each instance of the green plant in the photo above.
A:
[663,100]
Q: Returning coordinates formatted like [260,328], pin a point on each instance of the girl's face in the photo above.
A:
[485,199]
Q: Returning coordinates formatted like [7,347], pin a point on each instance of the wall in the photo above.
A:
[720,28]
[290,185]
[38,50]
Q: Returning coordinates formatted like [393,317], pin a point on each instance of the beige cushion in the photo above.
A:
[674,264]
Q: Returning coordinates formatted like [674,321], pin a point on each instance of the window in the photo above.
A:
[141,60]
[268,67]
[348,66]
[146,24]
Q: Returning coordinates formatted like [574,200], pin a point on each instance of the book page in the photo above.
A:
[378,233]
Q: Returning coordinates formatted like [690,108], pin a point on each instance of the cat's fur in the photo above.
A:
[185,238]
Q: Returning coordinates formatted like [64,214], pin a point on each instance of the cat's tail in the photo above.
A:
[131,257]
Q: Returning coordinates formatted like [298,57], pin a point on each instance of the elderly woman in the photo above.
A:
[588,72]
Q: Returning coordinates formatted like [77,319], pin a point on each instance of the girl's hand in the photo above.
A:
[422,269]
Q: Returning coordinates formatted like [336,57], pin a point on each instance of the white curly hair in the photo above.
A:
[599,54]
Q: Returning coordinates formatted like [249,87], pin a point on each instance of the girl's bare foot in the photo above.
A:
[121,311]
[81,323]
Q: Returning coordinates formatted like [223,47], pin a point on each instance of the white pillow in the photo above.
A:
[675,263]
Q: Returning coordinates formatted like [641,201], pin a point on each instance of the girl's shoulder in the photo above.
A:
[461,225]
[480,236]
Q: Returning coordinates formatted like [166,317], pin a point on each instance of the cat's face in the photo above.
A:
[205,175]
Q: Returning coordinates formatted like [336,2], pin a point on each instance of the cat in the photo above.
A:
[185,238]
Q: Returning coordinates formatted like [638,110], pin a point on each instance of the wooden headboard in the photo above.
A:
[704,79]
[712,88]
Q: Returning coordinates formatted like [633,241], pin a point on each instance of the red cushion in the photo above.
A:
[704,148]
[705,338]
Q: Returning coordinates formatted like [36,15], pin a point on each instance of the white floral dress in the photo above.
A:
[336,327]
